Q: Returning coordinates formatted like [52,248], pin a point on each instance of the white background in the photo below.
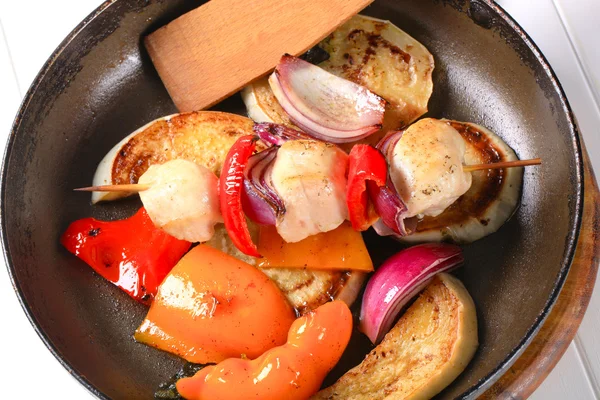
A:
[567,31]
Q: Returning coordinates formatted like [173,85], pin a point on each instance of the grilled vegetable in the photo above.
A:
[385,198]
[398,280]
[365,165]
[340,249]
[324,105]
[232,186]
[386,60]
[278,134]
[262,106]
[212,307]
[305,289]
[428,348]
[183,199]
[132,254]
[293,371]
[375,54]
[260,201]
[203,137]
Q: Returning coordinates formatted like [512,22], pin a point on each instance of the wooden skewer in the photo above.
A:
[505,164]
[137,187]
[133,187]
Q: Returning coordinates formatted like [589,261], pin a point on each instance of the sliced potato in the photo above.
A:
[491,200]
[373,53]
[203,137]
[424,352]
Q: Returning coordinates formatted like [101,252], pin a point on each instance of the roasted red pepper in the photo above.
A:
[231,186]
[364,164]
[131,253]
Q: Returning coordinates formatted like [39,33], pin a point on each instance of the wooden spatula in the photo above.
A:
[213,51]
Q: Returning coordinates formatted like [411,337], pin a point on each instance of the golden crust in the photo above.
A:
[203,137]
[375,54]
[386,60]
[268,103]
[429,347]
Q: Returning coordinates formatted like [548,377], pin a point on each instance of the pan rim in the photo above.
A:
[3,172]
[573,237]
[476,389]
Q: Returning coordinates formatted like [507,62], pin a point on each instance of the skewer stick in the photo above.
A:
[137,187]
[133,187]
[505,164]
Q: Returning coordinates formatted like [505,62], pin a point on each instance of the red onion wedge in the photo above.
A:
[391,210]
[387,201]
[325,106]
[260,201]
[387,144]
[398,280]
[277,134]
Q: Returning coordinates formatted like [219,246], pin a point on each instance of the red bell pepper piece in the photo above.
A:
[231,186]
[131,253]
[365,163]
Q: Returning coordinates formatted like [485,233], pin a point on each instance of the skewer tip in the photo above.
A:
[134,187]
[503,164]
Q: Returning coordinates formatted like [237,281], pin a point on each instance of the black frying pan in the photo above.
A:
[100,85]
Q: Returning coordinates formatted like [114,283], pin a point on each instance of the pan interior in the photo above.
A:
[102,86]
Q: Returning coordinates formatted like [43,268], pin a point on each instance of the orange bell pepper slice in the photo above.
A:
[293,371]
[213,306]
[342,249]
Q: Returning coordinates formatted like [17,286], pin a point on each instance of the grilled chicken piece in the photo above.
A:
[373,53]
[310,178]
[305,289]
[490,201]
[426,167]
[429,347]
[203,137]
[183,199]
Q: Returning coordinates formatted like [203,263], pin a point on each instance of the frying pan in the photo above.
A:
[100,85]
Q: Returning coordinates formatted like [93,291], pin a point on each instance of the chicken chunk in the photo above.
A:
[426,167]
[310,178]
[183,199]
